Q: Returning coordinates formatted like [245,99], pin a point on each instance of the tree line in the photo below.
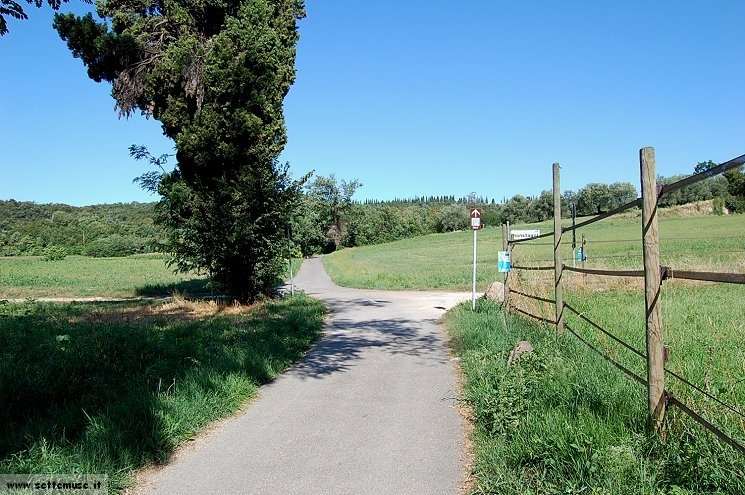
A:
[327,217]
[330,218]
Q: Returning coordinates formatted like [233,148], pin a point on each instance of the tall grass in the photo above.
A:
[562,420]
[108,388]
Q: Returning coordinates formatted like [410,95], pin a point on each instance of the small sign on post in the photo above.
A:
[476,219]
[504,262]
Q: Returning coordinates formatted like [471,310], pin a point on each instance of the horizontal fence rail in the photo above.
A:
[603,216]
[607,273]
[615,363]
[671,399]
[531,296]
[726,278]
[539,318]
[692,179]
[546,268]
[606,332]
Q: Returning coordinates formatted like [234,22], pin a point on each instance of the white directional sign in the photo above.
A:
[475,219]
[516,235]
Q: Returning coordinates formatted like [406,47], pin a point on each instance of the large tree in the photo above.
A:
[215,74]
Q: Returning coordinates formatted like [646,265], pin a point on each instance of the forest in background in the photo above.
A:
[327,218]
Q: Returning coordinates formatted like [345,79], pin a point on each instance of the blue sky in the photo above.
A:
[422,97]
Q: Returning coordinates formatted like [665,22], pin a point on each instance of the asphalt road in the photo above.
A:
[370,410]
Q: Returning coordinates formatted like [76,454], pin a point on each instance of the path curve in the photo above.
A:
[370,410]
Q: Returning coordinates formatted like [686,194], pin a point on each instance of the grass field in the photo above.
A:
[80,276]
[443,261]
[560,422]
[111,387]
[704,330]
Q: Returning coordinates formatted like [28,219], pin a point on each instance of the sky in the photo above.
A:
[421,98]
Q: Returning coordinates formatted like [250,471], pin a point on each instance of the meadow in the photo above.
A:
[601,412]
[111,387]
[81,276]
[443,261]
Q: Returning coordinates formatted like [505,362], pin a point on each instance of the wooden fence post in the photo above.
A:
[652,287]
[558,295]
[506,247]
[505,284]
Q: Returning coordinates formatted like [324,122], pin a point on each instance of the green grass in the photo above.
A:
[111,387]
[561,421]
[444,261]
[81,276]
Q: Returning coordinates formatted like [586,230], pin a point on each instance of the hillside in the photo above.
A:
[118,229]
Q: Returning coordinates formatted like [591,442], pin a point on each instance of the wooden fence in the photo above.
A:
[653,273]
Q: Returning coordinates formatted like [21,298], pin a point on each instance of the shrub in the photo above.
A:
[54,253]
[453,217]
[115,245]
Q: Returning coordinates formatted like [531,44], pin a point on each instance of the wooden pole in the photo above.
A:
[508,230]
[652,286]
[558,295]
[505,289]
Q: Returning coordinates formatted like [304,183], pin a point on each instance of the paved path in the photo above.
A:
[370,410]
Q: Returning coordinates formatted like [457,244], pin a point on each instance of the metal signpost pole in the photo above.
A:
[473,287]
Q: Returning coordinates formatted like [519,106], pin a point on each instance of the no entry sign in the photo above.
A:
[475,219]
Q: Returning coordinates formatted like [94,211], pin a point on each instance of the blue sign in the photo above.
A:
[504,263]
[579,254]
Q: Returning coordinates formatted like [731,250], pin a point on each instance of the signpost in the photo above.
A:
[475,226]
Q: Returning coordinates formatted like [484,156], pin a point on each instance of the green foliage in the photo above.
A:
[452,218]
[87,388]
[597,198]
[29,228]
[718,205]
[54,253]
[710,188]
[321,221]
[115,245]
[214,74]
[736,189]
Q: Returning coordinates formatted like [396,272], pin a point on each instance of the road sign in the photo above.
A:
[504,262]
[524,234]
[476,219]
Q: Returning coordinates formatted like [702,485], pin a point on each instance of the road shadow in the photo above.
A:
[346,340]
